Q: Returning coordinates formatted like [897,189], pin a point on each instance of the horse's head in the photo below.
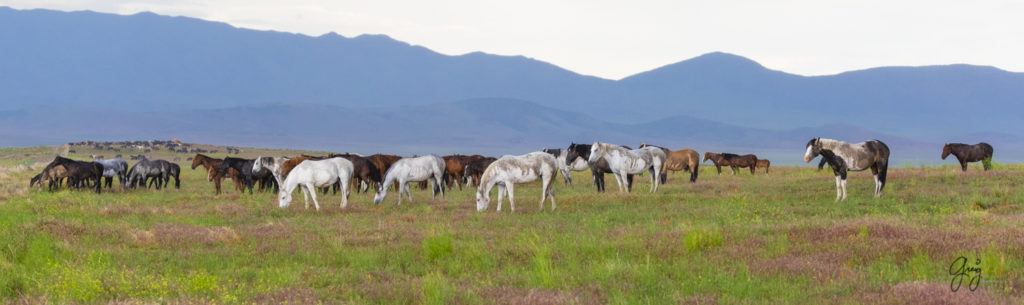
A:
[257,164]
[946,150]
[707,156]
[813,150]
[482,200]
[597,151]
[286,199]
[197,160]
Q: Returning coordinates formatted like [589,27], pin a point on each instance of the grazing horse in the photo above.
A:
[415,169]
[311,174]
[145,170]
[843,157]
[212,166]
[365,171]
[509,170]
[969,153]
[80,171]
[170,170]
[733,161]
[51,177]
[597,169]
[566,167]
[679,160]
[764,163]
[629,161]
[243,166]
[476,166]
[111,168]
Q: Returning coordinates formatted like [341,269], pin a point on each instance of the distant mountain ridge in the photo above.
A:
[184,73]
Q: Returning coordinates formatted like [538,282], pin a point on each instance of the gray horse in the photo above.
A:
[111,168]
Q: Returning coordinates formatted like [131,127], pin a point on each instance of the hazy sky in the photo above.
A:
[614,39]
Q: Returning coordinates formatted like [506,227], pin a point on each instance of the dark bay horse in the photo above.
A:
[733,161]
[476,166]
[969,153]
[363,171]
[597,169]
[212,166]
[81,172]
[243,166]
[764,163]
[455,169]
[843,157]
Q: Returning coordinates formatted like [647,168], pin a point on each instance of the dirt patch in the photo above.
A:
[288,296]
[931,293]
[181,234]
[512,296]
[65,231]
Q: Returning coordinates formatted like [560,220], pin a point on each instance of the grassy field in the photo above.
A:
[723,240]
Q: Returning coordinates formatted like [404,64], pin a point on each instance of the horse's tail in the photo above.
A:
[883,167]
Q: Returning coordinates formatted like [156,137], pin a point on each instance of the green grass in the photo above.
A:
[726,239]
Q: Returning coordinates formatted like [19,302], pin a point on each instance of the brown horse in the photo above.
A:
[455,169]
[213,174]
[679,160]
[733,161]
[363,171]
[764,163]
[969,153]
[52,177]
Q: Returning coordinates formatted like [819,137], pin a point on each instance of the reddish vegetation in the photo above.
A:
[930,293]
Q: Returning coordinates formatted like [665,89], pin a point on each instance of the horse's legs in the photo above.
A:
[545,185]
[501,195]
[844,189]
[754,166]
[839,188]
[963,164]
[719,167]
[438,178]
[878,187]
[619,181]
[313,194]
[511,188]
[344,194]
[216,183]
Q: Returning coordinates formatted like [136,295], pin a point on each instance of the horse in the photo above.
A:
[365,171]
[679,160]
[821,164]
[272,164]
[415,169]
[81,172]
[597,169]
[111,168]
[764,163]
[509,170]
[969,153]
[145,170]
[52,177]
[475,167]
[624,161]
[243,166]
[577,165]
[843,157]
[455,172]
[733,161]
[170,170]
[311,174]
[212,166]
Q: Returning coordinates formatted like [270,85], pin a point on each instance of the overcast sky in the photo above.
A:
[614,38]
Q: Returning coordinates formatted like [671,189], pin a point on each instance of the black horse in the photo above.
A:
[597,169]
[168,170]
[243,166]
[152,171]
[969,153]
[81,172]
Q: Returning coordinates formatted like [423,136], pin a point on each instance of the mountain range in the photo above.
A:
[69,76]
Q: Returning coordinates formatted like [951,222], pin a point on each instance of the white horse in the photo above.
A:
[311,174]
[405,170]
[624,161]
[578,164]
[509,170]
[273,164]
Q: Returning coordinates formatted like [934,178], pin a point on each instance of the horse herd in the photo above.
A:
[382,172]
